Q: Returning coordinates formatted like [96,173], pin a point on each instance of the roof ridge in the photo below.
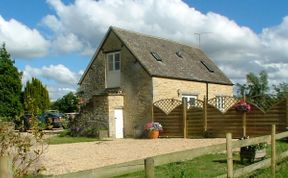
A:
[114,28]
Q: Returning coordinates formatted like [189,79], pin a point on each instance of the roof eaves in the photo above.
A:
[203,81]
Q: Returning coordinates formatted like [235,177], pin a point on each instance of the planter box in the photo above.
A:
[251,154]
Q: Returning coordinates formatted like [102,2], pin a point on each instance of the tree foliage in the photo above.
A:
[68,103]
[255,86]
[256,90]
[10,86]
[36,97]
[281,90]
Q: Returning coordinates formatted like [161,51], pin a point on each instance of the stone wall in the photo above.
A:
[114,102]
[172,88]
[137,88]
[219,90]
[94,82]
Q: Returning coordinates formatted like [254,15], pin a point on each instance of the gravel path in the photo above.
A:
[65,158]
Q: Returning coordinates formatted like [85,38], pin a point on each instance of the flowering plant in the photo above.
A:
[258,146]
[243,106]
[153,126]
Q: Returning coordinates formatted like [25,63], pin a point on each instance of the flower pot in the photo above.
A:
[153,134]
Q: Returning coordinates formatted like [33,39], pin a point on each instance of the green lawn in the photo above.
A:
[68,139]
[211,166]
[63,137]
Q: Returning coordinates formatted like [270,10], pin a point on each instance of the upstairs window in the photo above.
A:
[113,61]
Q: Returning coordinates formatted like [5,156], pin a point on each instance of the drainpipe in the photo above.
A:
[207,88]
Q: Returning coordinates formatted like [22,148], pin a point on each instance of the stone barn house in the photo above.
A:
[130,71]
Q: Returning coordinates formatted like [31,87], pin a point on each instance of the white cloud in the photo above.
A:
[57,73]
[235,48]
[58,79]
[56,92]
[21,41]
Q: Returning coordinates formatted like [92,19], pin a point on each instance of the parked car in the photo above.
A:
[52,118]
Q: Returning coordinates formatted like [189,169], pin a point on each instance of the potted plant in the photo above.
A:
[243,106]
[253,152]
[152,129]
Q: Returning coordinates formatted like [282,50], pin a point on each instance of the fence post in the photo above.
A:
[229,155]
[149,167]
[184,103]
[244,117]
[205,113]
[273,150]
[6,167]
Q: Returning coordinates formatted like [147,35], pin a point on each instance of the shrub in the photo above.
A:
[87,124]
[25,150]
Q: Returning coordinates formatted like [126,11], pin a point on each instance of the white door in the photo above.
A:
[118,115]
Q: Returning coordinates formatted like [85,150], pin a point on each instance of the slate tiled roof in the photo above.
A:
[186,65]
[189,67]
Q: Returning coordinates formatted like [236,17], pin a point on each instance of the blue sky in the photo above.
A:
[54,40]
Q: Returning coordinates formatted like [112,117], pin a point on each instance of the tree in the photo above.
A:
[256,90]
[68,103]
[255,86]
[281,90]
[10,86]
[36,97]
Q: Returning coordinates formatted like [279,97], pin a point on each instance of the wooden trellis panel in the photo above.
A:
[195,122]
[219,124]
[259,122]
[169,113]
[227,103]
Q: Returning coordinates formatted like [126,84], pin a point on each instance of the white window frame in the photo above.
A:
[113,69]
[114,66]
[191,99]
[220,102]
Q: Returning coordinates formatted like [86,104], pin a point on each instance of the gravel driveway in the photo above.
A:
[65,158]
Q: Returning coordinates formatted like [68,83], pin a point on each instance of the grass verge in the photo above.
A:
[214,165]
[63,137]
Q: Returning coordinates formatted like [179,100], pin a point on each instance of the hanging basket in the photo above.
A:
[153,134]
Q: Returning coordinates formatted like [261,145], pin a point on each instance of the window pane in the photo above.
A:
[117,61]
[191,100]
[117,56]
[117,65]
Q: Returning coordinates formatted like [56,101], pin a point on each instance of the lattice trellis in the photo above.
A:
[223,103]
[167,105]
[195,104]
[263,103]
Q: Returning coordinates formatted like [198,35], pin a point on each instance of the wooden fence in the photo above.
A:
[149,164]
[205,118]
